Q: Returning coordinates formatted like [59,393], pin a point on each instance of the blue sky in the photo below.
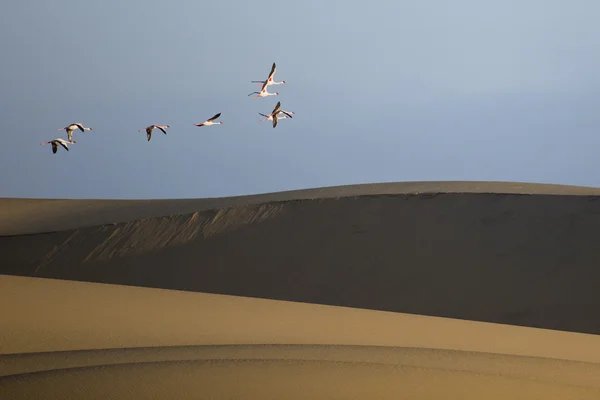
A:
[382,91]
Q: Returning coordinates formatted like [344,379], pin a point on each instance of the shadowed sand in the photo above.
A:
[512,253]
[62,339]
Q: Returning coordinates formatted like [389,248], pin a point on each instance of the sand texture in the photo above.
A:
[420,290]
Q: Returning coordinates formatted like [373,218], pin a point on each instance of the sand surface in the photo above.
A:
[65,339]
[449,283]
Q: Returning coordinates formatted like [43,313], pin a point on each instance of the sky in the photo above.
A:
[383,91]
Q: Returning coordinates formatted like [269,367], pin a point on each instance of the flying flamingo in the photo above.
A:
[269,117]
[72,127]
[210,121]
[274,116]
[263,92]
[58,141]
[151,128]
[270,80]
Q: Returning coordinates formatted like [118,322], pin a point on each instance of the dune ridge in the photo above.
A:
[31,216]
[275,379]
[539,368]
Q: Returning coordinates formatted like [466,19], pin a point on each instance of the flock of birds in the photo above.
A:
[274,116]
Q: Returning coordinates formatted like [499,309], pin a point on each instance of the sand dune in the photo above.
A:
[448,283]
[65,339]
[116,316]
[529,260]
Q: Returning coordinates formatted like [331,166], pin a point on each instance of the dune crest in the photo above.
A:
[29,216]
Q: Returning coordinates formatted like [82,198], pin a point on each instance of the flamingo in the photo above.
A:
[210,121]
[58,141]
[263,92]
[269,117]
[150,128]
[270,80]
[274,116]
[72,127]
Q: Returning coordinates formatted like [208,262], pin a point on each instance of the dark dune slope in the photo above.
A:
[530,260]
[22,216]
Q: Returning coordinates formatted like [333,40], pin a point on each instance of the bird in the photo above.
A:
[150,128]
[269,117]
[210,121]
[270,80]
[263,92]
[72,127]
[58,141]
[274,116]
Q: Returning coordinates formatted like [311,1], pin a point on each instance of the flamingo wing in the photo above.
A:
[277,107]
[264,86]
[63,144]
[149,132]
[272,73]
